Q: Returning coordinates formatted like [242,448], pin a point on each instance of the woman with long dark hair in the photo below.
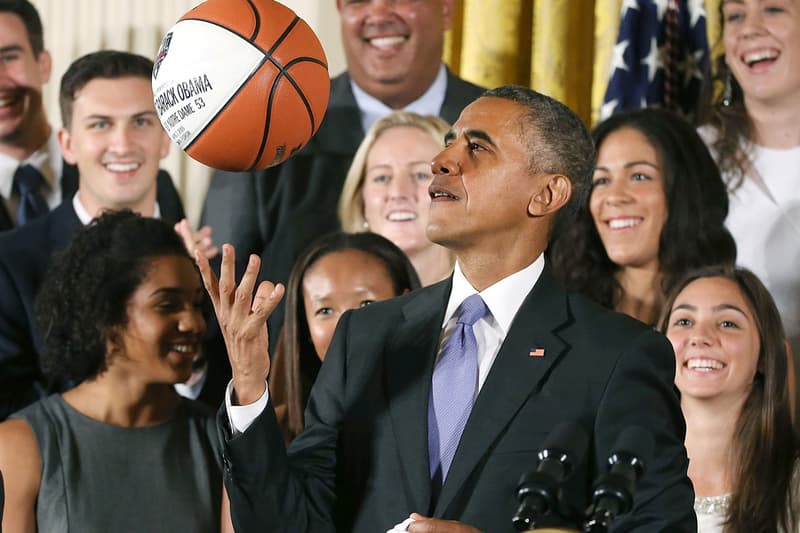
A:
[653,208]
[336,273]
[731,372]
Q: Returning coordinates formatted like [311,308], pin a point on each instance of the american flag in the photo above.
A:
[661,57]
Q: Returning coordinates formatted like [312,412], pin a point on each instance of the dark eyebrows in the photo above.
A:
[630,164]
[171,291]
[716,308]
[11,48]
[480,134]
[477,134]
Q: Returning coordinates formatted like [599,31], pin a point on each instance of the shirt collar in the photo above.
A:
[503,298]
[46,159]
[85,217]
[430,103]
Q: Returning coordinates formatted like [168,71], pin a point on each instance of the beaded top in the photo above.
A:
[712,505]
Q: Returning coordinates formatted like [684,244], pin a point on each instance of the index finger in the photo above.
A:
[209,278]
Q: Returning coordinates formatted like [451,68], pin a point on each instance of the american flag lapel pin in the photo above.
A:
[537,352]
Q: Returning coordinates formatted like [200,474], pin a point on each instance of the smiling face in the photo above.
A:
[22,75]
[117,142]
[395,190]
[337,282]
[715,338]
[165,324]
[394,48]
[628,201]
[762,47]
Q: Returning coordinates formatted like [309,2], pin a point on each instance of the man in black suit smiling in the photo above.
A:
[402,423]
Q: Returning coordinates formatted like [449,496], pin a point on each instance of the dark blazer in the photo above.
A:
[168,198]
[361,465]
[278,212]
[24,256]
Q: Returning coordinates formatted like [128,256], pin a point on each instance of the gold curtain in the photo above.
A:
[558,47]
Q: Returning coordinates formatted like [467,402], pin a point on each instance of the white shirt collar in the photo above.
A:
[85,217]
[503,299]
[46,159]
[430,103]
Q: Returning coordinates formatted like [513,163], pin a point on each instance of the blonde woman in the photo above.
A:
[386,189]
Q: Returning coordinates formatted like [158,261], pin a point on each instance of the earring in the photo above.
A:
[727,91]
[365,225]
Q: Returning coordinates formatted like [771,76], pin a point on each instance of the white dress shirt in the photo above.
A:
[47,160]
[430,103]
[503,299]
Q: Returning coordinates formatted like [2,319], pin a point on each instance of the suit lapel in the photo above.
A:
[514,376]
[5,218]
[409,365]
[341,131]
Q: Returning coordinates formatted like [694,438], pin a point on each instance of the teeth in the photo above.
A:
[402,216]
[619,223]
[704,364]
[443,195]
[386,42]
[760,55]
[122,167]
[183,348]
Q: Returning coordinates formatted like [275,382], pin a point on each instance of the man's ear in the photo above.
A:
[448,13]
[45,62]
[554,193]
[65,140]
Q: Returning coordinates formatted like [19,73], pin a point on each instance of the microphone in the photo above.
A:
[539,491]
[613,492]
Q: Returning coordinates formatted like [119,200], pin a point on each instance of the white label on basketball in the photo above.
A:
[199,68]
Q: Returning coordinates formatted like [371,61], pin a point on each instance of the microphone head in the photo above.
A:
[568,442]
[633,446]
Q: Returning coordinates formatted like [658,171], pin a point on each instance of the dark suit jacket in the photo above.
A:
[24,256]
[361,465]
[278,212]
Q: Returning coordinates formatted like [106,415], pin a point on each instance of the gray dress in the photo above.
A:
[97,477]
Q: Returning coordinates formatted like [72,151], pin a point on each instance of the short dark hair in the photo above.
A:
[30,19]
[299,361]
[693,235]
[557,139]
[86,290]
[106,64]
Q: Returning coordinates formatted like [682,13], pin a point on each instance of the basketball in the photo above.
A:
[240,84]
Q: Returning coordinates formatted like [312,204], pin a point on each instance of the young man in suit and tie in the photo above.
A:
[113,136]
[400,422]
[33,176]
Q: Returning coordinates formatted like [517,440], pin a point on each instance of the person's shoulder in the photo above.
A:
[458,84]
[708,133]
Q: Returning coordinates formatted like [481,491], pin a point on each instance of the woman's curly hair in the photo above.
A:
[85,292]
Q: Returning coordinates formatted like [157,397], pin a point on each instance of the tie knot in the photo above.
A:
[28,179]
[472,310]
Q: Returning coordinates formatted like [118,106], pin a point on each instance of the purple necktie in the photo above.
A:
[28,181]
[455,382]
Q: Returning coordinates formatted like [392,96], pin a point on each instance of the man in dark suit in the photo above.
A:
[376,446]
[393,52]
[113,136]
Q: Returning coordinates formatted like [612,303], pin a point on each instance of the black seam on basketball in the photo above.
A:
[236,33]
[281,74]
[268,118]
[258,21]
[300,93]
[227,103]
[283,36]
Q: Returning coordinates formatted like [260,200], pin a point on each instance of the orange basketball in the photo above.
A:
[241,84]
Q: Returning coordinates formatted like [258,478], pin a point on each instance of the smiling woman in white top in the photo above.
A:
[386,189]
[753,130]
[731,372]
[653,208]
